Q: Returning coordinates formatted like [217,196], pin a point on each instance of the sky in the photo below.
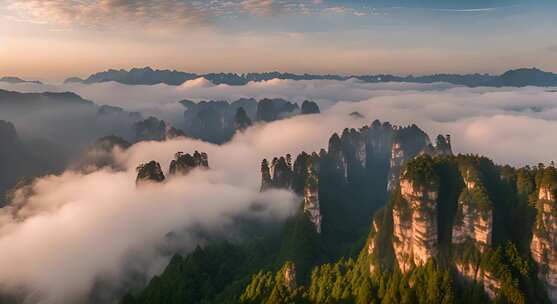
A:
[55,39]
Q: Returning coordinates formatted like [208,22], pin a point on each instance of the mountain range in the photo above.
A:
[454,229]
[148,76]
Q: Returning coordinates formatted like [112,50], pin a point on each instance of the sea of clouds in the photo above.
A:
[68,231]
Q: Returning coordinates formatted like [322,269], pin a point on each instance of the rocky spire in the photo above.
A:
[442,145]
[544,240]
[282,173]
[311,198]
[149,172]
[241,119]
[184,163]
[474,217]
[414,214]
[336,154]
[408,142]
[266,181]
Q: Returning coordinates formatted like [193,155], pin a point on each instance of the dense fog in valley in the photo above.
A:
[96,225]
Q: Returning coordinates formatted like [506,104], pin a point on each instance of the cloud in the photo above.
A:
[342,10]
[100,14]
[438,108]
[261,7]
[105,13]
[75,229]
[90,225]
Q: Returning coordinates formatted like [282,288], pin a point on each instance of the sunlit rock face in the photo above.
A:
[302,177]
[311,199]
[149,172]
[184,163]
[371,243]
[473,273]
[473,226]
[474,216]
[544,239]
[289,275]
[415,224]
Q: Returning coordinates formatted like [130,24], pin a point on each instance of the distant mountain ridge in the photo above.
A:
[16,80]
[148,76]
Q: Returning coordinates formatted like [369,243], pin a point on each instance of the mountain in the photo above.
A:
[147,76]
[23,160]
[450,229]
[65,119]
[16,80]
[144,76]
[217,121]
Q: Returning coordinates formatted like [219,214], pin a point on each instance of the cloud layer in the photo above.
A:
[171,13]
[90,224]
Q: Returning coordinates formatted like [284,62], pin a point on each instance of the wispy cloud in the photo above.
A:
[103,13]
[177,13]
[341,10]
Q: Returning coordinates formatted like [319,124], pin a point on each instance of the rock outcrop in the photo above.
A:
[185,163]
[544,240]
[409,142]
[474,217]
[348,154]
[149,172]
[473,273]
[311,198]
[415,216]
[150,129]
[310,107]
[272,109]
[289,275]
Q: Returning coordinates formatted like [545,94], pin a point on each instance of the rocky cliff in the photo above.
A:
[415,217]
[409,142]
[184,163]
[473,230]
[149,172]
[544,240]
[474,217]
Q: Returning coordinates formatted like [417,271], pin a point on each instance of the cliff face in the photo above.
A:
[409,142]
[473,273]
[311,199]
[301,178]
[415,224]
[474,216]
[184,163]
[544,240]
[473,227]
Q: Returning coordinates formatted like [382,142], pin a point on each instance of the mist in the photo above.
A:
[64,233]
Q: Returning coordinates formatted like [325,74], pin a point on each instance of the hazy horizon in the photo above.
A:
[56,39]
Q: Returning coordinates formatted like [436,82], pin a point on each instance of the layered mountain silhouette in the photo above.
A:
[148,76]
